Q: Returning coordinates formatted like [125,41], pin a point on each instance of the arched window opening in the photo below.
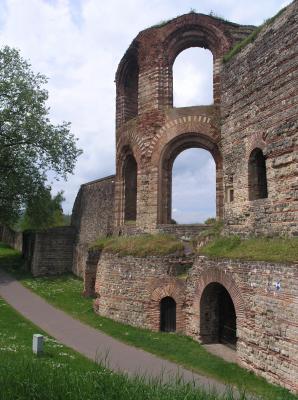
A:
[257,176]
[167,314]
[217,316]
[131,83]
[193,78]
[130,189]
[193,187]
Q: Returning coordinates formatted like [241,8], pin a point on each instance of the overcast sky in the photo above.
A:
[78,44]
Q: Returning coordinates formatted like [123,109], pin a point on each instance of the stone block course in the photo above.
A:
[265,296]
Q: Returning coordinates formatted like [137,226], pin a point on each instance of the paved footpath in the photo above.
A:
[91,342]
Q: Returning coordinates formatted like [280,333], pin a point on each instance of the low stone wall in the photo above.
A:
[129,289]
[188,231]
[11,238]
[49,252]
[90,272]
[264,295]
[92,217]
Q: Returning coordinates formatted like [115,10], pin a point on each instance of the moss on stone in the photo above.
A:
[255,248]
[250,38]
[140,245]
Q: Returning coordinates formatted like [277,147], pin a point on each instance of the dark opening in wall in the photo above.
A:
[168,314]
[217,316]
[130,89]
[130,188]
[257,176]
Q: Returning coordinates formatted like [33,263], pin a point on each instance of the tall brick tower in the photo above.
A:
[150,132]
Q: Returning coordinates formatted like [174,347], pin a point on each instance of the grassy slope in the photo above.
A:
[65,293]
[257,249]
[140,245]
[62,374]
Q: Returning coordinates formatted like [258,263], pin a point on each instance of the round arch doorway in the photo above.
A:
[167,314]
[217,316]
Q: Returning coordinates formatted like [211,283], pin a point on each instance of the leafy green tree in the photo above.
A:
[43,211]
[30,145]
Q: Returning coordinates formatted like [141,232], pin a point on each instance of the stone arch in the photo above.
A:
[128,139]
[196,30]
[254,141]
[200,124]
[176,292]
[224,278]
[217,316]
[126,185]
[127,83]
[166,148]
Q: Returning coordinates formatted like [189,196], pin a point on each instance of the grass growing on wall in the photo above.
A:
[251,37]
[65,291]
[140,245]
[281,250]
[62,374]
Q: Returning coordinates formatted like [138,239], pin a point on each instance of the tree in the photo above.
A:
[30,145]
[43,211]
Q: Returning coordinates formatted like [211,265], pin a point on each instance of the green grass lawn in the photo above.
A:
[282,250]
[65,293]
[63,374]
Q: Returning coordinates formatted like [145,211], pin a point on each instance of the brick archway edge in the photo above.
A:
[225,279]
[173,290]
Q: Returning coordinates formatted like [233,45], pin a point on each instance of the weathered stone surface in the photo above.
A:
[49,252]
[129,289]
[92,217]
[11,238]
[265,297]
[259,110]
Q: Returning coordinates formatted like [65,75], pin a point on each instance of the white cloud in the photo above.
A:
[78,44]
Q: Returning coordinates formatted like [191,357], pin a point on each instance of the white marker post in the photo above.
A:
[37,345]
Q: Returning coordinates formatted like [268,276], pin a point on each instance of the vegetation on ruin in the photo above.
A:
[254,248]
[30,145]
[140,245]
[60,373]
[65,291]
[250,38]
[43,211]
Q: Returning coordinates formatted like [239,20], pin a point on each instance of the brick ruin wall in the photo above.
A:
[259,109]
[92,217]
[255,107]
[265,296]
[49,252]
[11,238]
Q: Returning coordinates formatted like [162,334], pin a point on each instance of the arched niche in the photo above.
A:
[168,314]
[130,171]
[217,316]
[127,82]
[257,175]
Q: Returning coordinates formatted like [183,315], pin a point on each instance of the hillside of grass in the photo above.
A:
[279,250]
[140,245]
[62,374]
